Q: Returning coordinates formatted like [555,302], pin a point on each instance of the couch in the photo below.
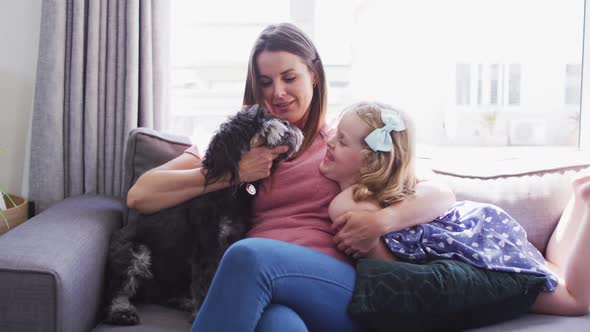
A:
[52,267]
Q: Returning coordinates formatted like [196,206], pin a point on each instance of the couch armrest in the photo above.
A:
[52,267]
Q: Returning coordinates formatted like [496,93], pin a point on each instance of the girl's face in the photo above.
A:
[343,161]
[286,85]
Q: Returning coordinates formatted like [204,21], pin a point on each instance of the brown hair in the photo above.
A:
[287,37]
[387,177]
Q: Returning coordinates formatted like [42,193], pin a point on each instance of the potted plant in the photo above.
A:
[490,133]
[13,210]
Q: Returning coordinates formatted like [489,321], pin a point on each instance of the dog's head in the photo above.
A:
[275,132]
[252,126]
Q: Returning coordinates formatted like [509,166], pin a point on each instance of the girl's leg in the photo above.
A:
[560,245]
[280,318]
[254,273]
[567,256]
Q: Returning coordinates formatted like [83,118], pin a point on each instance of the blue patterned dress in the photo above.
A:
[476,233]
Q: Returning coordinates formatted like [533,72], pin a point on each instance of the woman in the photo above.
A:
[304,280]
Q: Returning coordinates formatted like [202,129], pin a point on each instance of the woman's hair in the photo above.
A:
[287,37]
[387,177]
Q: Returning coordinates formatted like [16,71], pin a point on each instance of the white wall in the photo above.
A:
[19,39]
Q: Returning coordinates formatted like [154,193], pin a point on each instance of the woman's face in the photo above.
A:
[286,85]
[343,161]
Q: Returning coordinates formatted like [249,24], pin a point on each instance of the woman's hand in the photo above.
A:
[256,163]
[358,232]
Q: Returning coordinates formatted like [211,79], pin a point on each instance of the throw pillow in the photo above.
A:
[442,295]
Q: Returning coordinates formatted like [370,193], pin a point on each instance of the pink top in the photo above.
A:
[292,204]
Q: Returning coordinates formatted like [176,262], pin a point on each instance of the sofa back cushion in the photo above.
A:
[535,198]
[147,149]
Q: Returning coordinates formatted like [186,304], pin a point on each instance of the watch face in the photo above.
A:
[251,189]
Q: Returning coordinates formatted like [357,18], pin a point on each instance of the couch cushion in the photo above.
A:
[154,318]
[541,323]
[536,199]
[147,149]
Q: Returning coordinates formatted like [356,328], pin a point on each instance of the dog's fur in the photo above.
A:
[172,261]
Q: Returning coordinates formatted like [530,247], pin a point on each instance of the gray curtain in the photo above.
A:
[102,71]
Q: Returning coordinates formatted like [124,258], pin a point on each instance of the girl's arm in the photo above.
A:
[181,179]
[359,231]
[432,199]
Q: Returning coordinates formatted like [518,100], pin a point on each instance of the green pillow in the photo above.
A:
[444,295]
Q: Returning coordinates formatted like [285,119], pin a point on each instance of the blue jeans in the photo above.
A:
[266,285]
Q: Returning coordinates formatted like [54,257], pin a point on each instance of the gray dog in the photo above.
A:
[171,261]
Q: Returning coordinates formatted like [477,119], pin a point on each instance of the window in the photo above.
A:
[463,84]
[498,77]
[514,85]
[494,82]
[573,76]
[479,84]
[472,73]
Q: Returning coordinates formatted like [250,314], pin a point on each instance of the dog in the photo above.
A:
[171,261]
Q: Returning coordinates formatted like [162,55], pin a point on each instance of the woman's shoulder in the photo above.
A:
[328,129]
[194,150]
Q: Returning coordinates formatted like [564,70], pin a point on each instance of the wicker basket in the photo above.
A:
[15,214]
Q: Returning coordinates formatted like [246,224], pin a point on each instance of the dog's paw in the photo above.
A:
[122,316]
[184,304]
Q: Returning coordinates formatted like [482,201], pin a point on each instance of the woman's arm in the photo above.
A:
[359,231]
[181,179]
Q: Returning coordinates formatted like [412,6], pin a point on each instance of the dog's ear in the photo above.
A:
[262,113]
[256,113]
[249,110]
[230,142]
[222,157]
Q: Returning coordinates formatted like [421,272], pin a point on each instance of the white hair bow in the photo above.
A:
[379,139]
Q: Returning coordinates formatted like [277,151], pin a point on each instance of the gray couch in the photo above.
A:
[52,266]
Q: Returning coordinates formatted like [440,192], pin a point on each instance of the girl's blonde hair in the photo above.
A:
[387,177]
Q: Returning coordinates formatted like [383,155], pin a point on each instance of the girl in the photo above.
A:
[372,158]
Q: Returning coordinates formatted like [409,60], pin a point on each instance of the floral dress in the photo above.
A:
[476,233]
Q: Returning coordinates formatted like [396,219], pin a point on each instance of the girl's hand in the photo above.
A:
[358,232]
[256,163]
